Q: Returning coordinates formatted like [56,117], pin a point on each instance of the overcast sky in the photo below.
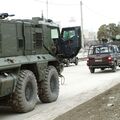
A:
[66,12]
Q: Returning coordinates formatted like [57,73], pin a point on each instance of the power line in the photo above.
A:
[71,4]
[76,4]
[96,12]
[58,4]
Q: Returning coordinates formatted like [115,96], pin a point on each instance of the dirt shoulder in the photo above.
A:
[105,106]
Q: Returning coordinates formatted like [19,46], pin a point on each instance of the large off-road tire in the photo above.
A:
[114,67]
[24,97]
[49,88]
[92,70]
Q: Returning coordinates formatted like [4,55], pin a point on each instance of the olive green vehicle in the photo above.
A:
[31,60]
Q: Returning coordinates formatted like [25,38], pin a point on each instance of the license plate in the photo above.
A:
[98,60]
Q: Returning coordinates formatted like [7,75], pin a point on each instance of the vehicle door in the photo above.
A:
[70,42]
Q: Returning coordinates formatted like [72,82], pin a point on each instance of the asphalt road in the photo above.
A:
[80,85]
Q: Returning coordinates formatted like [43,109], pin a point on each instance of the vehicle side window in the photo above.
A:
[119,49]
[116,50]
[111,49]
[68,34]
[97,50]
[54,33]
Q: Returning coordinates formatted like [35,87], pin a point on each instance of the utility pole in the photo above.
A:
[82,39]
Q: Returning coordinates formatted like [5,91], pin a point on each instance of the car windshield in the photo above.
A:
[101,50]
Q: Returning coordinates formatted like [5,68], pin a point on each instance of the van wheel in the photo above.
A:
[114,67]
[49,88]
[92,70]
[24,98]
[76,61]
[102,68]
[67,63]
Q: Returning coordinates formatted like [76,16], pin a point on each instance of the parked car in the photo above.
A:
[103,56]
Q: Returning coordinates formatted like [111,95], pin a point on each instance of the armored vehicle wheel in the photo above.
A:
[24,98]
[92,70]
[49,88]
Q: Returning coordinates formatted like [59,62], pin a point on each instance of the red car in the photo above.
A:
[103,56]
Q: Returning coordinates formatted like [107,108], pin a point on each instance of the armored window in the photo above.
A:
[37,38]
[54,33]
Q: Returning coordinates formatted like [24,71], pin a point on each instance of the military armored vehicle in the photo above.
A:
[31,60]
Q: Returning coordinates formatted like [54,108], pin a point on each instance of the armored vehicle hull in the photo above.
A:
[31,61]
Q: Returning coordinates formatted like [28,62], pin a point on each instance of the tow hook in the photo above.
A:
[62,79]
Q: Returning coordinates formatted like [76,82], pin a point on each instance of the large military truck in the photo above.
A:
[31,60]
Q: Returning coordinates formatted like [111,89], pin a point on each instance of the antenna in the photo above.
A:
[42,16]
[47,8]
